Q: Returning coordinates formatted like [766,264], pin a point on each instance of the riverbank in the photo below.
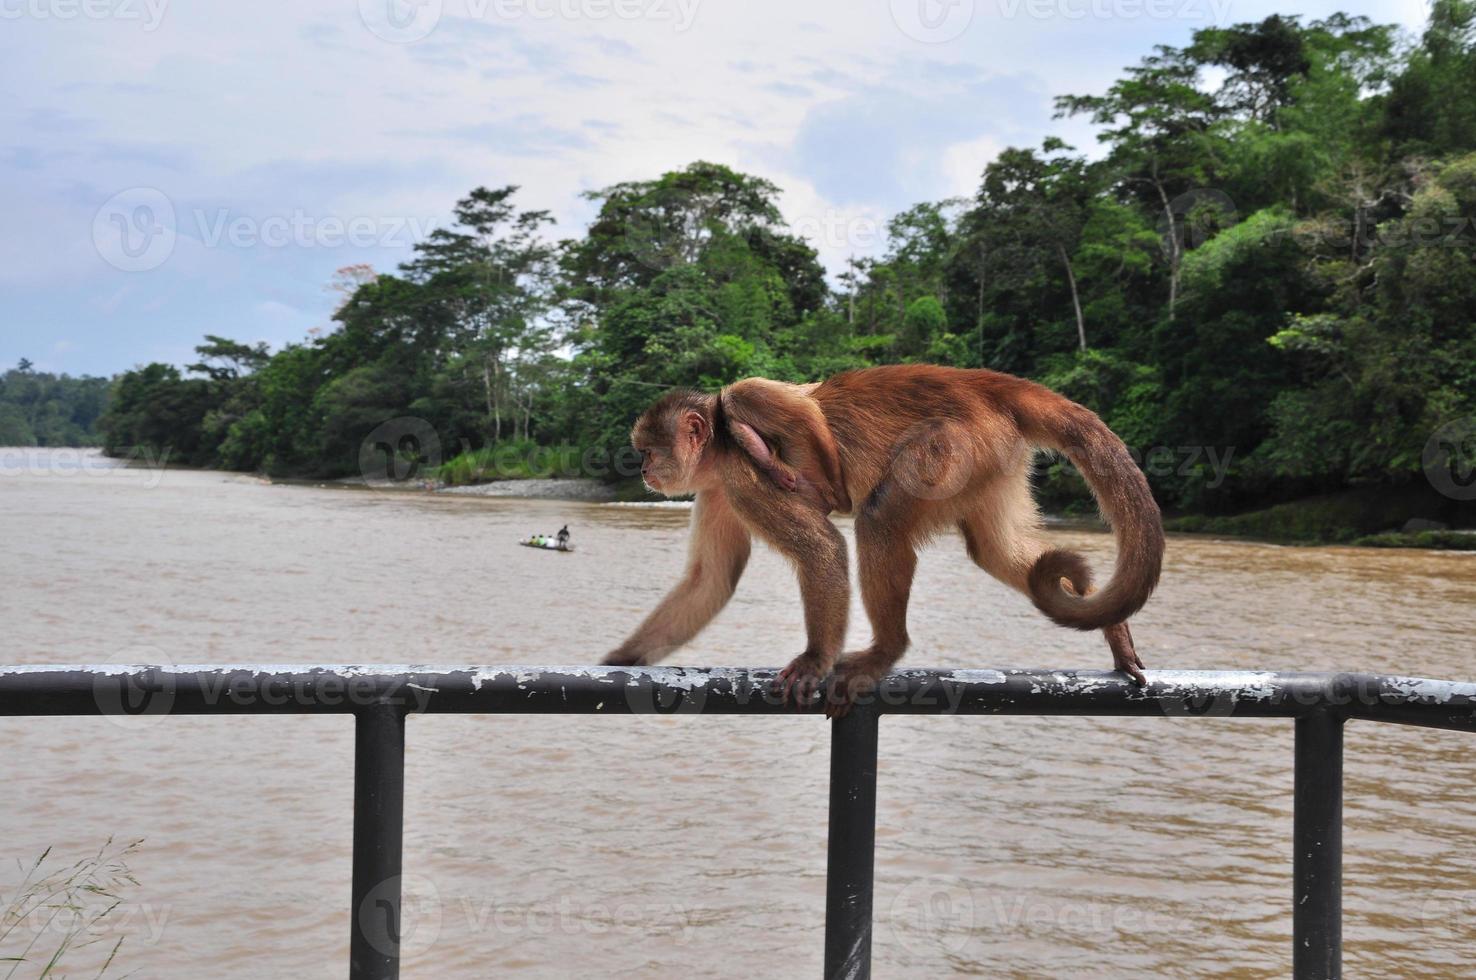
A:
[582,490]
[1412,516]
[1362,518]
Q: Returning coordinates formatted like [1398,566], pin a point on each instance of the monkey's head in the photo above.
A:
[673,437]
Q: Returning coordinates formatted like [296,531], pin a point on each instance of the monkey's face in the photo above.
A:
[672,447]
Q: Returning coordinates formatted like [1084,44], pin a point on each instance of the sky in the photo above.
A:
[170,169]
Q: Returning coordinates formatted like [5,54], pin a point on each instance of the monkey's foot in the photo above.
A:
[855,677]
[1124,655]
[800,682]
[622,658]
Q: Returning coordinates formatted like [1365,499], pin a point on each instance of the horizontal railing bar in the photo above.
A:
[346,688]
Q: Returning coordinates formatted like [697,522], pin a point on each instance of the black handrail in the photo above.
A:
[381,696]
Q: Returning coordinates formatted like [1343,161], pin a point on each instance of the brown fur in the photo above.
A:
[911,449]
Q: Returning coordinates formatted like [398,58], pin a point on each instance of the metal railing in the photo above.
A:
[380,697]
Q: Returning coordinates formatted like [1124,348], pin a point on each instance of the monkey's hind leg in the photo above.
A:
[1003,538]
[926,483]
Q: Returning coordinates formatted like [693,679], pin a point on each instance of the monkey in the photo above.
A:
[910,450]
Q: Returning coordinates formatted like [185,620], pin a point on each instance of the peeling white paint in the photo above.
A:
[1251,685]
[1235,684]
[974,676]
[1423,689]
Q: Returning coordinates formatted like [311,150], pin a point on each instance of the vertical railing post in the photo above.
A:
[1317,862]
[379,819]
[850,852]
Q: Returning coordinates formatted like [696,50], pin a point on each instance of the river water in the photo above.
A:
[628,846]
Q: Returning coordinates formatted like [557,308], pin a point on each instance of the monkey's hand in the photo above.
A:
[800,682]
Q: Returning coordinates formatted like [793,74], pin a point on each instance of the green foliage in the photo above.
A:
[41,409]
[57,910]
[1443,540]
[512,459]
[1274,269]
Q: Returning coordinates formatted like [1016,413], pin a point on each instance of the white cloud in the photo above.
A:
[282,107]
[963,165]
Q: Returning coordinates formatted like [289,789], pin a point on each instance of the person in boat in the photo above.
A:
[563,536]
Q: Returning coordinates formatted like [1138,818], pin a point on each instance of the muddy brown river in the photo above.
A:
[689,846]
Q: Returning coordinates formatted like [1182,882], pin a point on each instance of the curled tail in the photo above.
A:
[1049,420]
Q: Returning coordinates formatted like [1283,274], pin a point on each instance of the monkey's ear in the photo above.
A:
[695,427]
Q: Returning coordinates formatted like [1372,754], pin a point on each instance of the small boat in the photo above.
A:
[546,543]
